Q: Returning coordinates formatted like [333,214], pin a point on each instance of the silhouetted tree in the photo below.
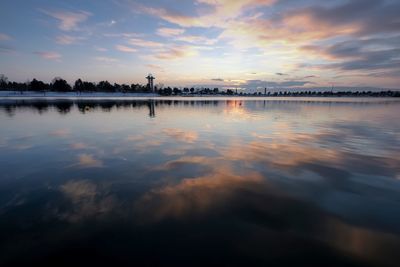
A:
[117,87]
[134,87]
[36,85]
[78,86]
[3,82]
[229,92]
[167,91]
[177,91]
[125,88]
[60,85]
[89,87]
[104,86]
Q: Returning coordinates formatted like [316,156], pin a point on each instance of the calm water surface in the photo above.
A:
[200,182]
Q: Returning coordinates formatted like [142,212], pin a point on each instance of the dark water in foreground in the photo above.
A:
[200,182]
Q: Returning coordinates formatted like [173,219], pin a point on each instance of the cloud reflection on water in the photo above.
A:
[61,133]
[88,161]
[187,136]
[193,196]
[87,200]
[79,146]
[299,181]
[251,198]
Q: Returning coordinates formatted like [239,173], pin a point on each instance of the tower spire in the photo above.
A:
[150,82]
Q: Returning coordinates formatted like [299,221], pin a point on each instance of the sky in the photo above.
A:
[214,43]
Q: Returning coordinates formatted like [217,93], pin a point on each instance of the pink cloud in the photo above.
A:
[197,39]
[68,21]
[106,59]
[67,39]
[144,43]
[168,32]
[176,18]
[222,11]
[61,133]
[155,67]
[126,49]
[48,55]
[4,37]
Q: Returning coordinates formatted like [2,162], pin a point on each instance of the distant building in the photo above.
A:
[150,82]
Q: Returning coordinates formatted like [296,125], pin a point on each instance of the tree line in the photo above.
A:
[60,85]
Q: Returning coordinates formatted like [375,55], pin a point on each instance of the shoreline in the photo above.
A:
[339,94]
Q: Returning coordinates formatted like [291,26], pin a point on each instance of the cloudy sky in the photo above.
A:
[244,43]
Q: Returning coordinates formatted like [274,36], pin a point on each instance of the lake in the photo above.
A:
[200,182]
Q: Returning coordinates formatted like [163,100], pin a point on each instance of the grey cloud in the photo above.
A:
[373,60]
[394,73]
[261,83]
[362,54]
[5,49]
[358,47]
[371,16]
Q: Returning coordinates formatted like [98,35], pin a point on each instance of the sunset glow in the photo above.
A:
[214,43]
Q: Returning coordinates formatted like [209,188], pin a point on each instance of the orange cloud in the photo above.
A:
[176,52]
[293,30]
[144,43]
[168,32]
[234,8]
[126,49]
[176,18]
[196,39]
[222,10]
